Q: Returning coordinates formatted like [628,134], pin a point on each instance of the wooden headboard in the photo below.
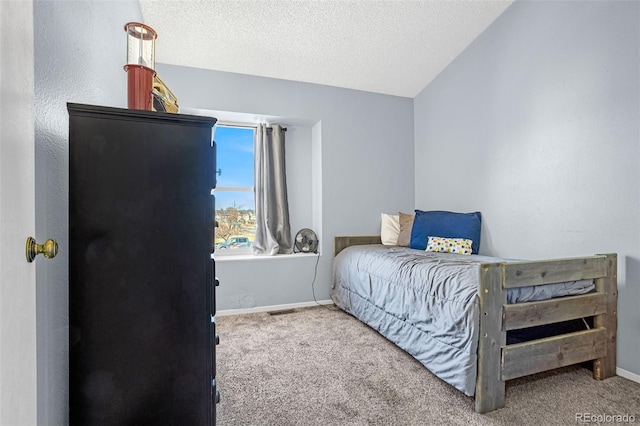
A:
[342,242]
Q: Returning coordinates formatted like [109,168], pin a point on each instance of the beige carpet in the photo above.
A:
[317,366]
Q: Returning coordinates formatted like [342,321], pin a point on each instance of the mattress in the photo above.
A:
[426,303]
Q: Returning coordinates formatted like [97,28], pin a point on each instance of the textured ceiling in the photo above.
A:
[392,47]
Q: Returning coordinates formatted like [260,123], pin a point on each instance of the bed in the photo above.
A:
[453,313]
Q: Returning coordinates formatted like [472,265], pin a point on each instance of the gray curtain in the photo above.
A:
[273,232]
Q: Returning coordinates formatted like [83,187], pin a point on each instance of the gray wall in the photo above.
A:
[536,126]
[363,154]
[80,48]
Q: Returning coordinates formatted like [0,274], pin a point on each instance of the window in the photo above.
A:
[235,211]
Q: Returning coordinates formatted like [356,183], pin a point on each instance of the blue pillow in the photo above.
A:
[447,225]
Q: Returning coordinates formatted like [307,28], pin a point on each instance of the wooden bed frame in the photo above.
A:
[499,362]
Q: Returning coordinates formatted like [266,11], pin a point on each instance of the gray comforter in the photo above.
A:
[426,303]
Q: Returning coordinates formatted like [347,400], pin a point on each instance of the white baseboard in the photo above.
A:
[271,308]
[628,375]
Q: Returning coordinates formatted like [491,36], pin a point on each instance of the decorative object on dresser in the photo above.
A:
[141,277]
[141,65]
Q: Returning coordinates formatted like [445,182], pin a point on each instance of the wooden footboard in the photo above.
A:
[499,362]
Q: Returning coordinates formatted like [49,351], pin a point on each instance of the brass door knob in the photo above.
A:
[49,249]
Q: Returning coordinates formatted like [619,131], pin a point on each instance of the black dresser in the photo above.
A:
[141,277]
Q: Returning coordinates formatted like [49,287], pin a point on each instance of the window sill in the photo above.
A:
[232,257]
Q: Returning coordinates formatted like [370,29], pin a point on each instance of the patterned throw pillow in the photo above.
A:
[449,245]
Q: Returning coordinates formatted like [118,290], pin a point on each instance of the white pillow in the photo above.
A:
[390,229]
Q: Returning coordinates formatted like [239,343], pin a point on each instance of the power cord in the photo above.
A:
[313,290]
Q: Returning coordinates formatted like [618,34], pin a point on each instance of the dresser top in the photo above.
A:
[96,111]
